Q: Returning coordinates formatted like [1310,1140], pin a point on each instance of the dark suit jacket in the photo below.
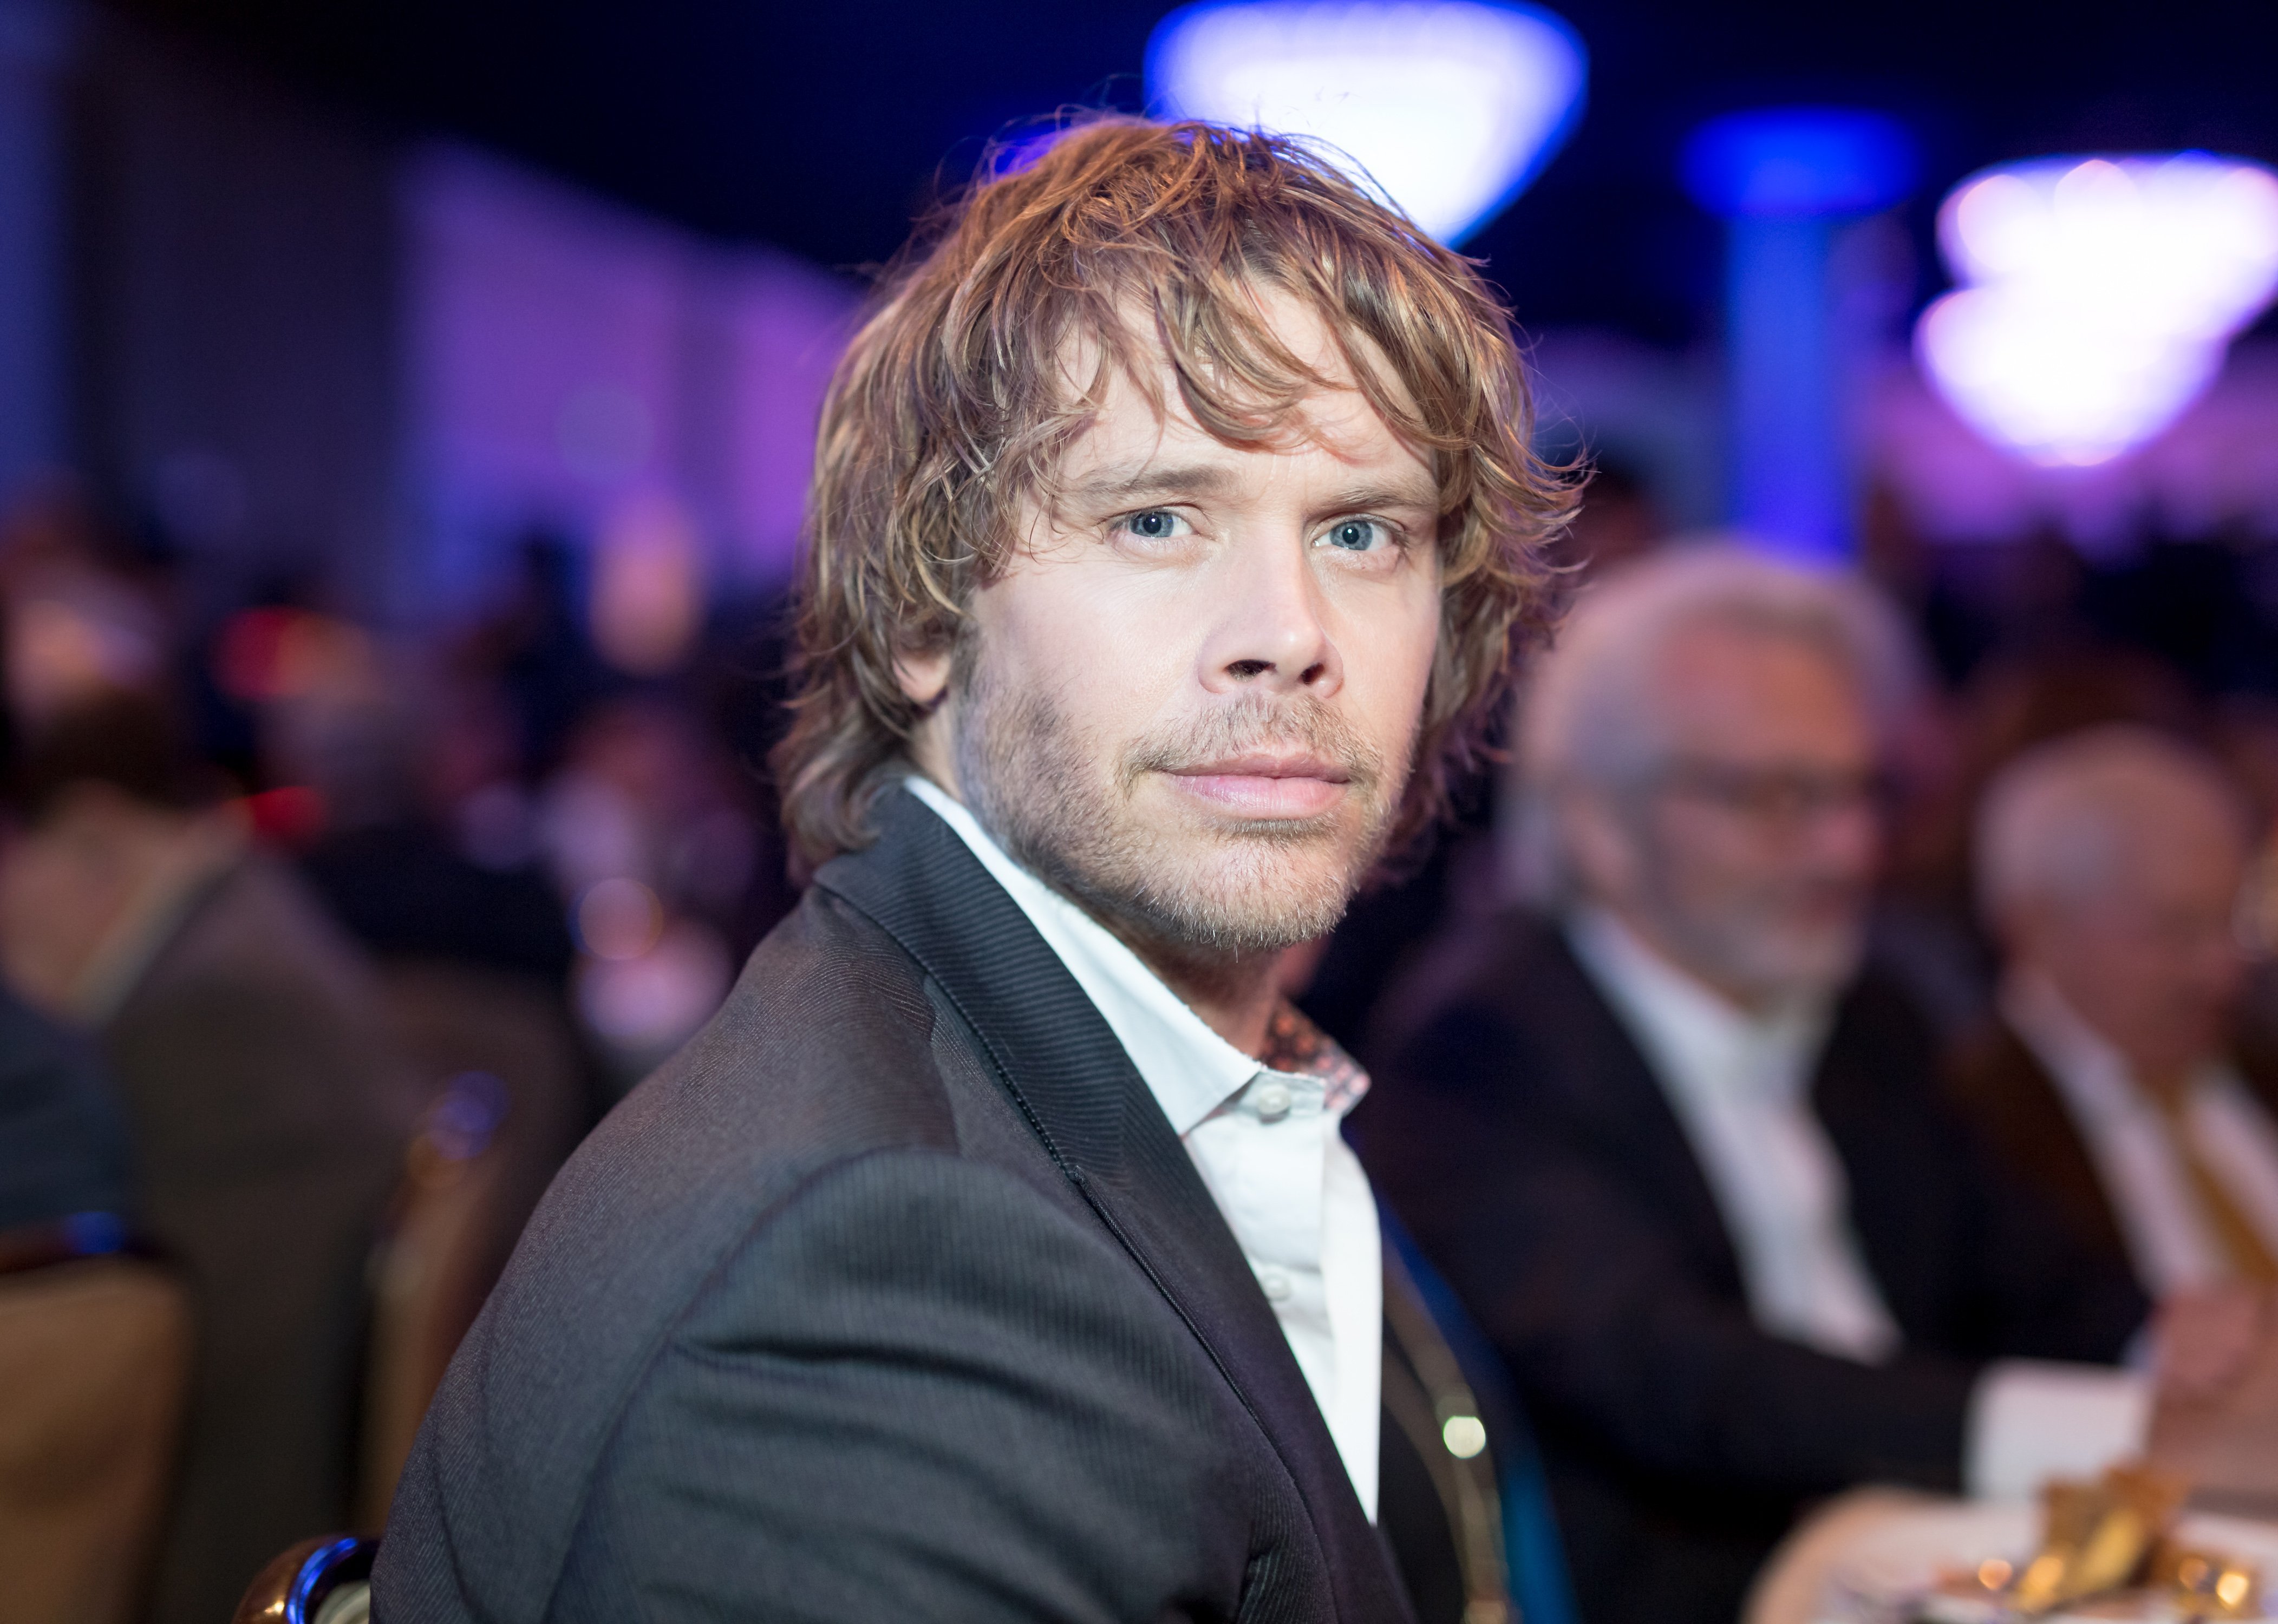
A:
[1516,1126]
[63,1140]
[892,1296]
[269,1121]
[2001,1086]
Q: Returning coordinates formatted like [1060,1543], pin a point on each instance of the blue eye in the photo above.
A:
[1355,534]
[1155,524]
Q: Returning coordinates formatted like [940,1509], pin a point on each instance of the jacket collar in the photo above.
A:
[1061,1065]
[1189,1068]
[1597,1079]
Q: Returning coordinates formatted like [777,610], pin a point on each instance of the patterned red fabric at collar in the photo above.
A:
[1293,1044]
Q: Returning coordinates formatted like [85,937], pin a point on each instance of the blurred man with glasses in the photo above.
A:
[1680,1146]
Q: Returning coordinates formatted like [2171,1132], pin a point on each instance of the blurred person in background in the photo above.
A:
[64,1148]
[268,1113]
[654,852]
[64,1156]
[2117,1081]
[1682,1151]
[635,722]
[473,963]
[538,644]
[369,741]
[1927,927]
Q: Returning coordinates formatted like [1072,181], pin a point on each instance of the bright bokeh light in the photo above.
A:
[2099,295]
[1448,109]
[648,604]
[617,919]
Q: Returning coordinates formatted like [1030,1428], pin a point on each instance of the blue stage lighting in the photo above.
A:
[1448,109]
[1787,162]
[1782,178]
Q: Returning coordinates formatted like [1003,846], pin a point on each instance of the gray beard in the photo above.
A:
[1753,949]
[1060,807]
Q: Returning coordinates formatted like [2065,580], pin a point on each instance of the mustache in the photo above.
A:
[1255,724]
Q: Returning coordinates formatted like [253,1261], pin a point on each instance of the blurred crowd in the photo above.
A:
[322,948]
[1844,1052]
[1845,980]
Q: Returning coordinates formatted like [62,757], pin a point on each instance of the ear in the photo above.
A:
[923,677]
[2025,927]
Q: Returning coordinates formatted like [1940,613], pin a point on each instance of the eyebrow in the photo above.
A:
[1152,483]
[1361,498]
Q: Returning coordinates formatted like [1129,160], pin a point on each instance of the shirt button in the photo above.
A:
[1276,1284]
[1271,1100]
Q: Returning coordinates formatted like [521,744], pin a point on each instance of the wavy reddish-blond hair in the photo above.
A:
[953,403]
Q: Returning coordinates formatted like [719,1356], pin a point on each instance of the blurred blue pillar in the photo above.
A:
[34,41]
[1783,179]
[1787,454]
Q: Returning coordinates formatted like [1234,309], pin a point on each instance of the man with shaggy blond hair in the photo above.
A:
[996,1252]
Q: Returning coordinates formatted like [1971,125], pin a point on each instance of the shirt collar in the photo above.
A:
[2086,1067]
[1684,1027]
[1189,1068]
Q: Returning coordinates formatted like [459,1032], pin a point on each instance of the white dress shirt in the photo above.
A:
[1740,1085]
[2131,1142]
[1267,1144]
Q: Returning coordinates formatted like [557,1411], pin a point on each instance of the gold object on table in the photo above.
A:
[2097,1536]
[2204,1584]
[2115,1533]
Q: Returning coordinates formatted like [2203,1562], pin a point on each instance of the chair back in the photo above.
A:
[326,1580]
[95,1360]
[507,1105]
[1534,1554]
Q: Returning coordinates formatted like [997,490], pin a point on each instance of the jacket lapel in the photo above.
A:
[2013,1104]
[1611,1090]
[1063,1070]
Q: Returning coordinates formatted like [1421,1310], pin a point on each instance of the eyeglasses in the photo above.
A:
[1780,796]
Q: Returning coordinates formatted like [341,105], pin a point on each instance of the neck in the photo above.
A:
[1235,993]
[1749,999]
[2168,1084]
[2163,1071]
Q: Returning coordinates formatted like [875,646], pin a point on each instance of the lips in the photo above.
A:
[1264,786]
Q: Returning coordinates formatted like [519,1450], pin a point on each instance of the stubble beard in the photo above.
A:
[1202,893]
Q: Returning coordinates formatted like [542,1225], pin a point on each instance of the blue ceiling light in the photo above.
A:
[1792,162]
[1448,108]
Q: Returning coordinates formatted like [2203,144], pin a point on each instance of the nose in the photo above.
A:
[1268,626]
[1846,839]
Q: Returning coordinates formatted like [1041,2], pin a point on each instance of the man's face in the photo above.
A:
[1748,855]
[2151,959]
[1190,701]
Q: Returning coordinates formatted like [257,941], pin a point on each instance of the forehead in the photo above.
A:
[2178,841]
[1751,693]
[1145,419]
